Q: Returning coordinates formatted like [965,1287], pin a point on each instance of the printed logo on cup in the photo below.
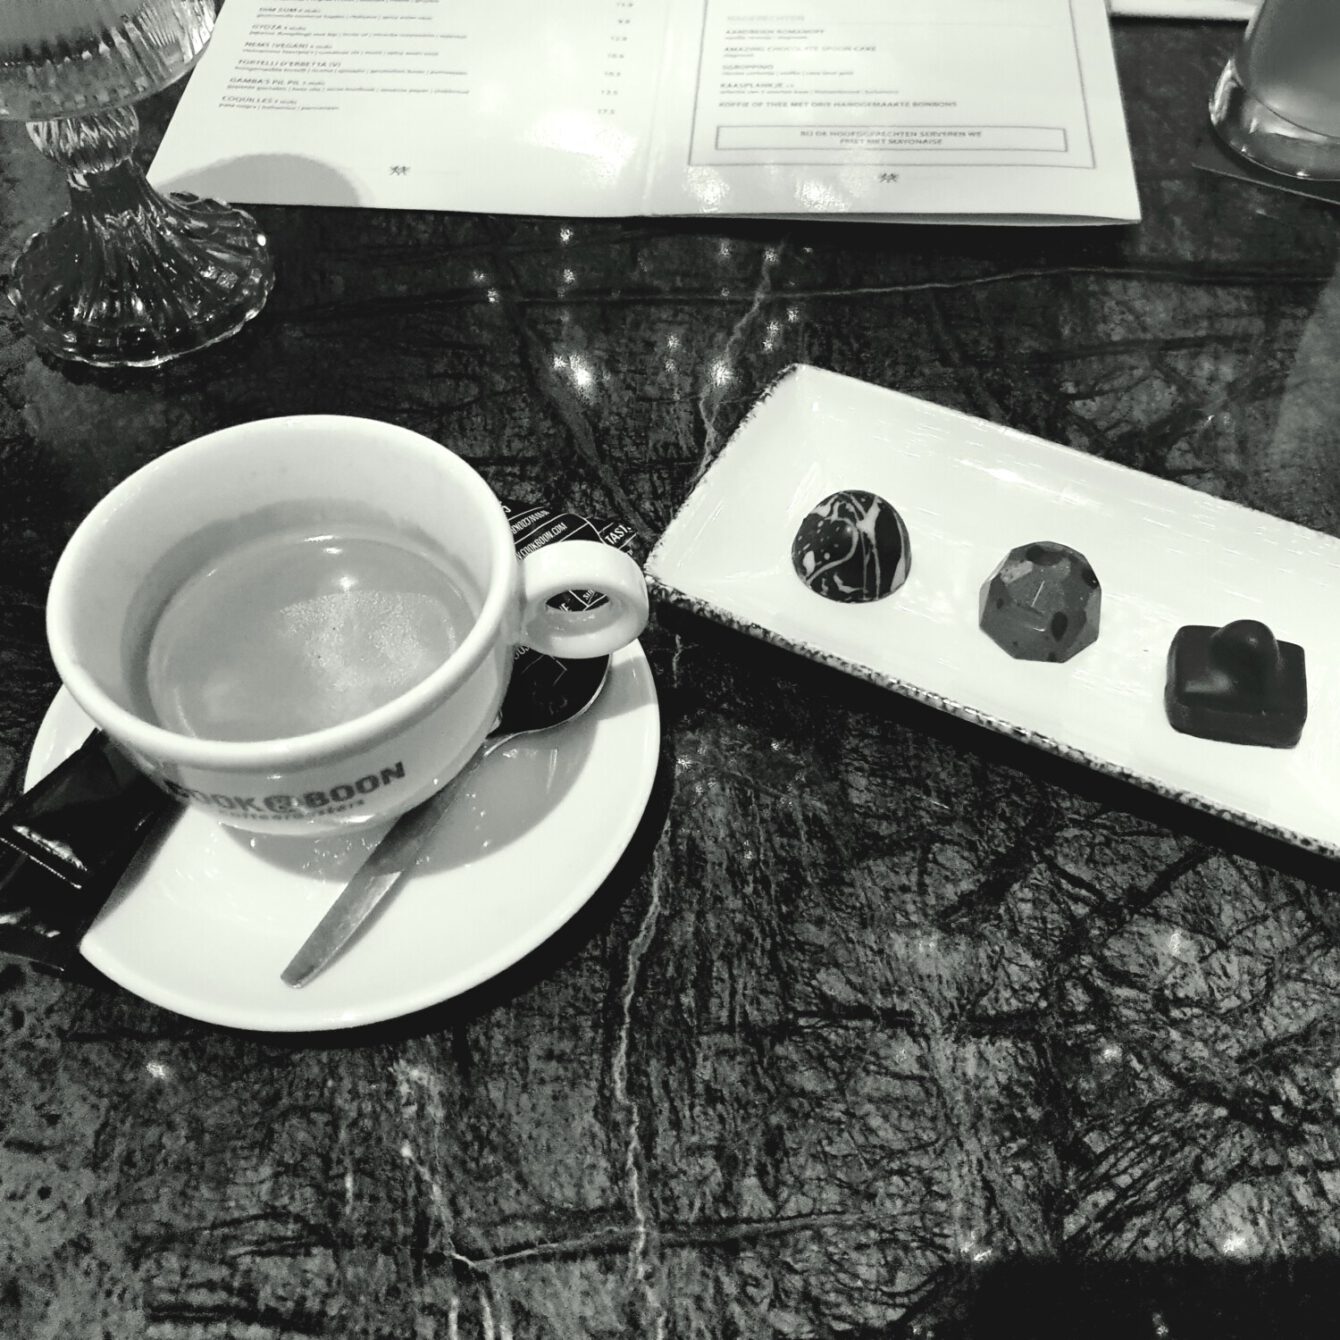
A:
[343,796]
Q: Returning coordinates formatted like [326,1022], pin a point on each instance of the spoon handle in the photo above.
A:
[390,861]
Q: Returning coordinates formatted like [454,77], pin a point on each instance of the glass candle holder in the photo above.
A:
[127,277]
[1277,102]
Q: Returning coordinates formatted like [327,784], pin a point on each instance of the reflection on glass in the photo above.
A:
[1277,102]
[127,277]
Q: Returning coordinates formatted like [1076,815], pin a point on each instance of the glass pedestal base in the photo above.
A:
[131,278]
[118,293]
[1248,127]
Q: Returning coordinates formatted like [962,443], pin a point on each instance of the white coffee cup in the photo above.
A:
[146,537]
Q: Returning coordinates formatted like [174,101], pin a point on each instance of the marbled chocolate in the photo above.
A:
[853,546]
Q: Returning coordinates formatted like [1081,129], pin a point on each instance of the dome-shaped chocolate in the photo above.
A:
[852,546]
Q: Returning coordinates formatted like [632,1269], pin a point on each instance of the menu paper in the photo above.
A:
[931,110]
[1182,9]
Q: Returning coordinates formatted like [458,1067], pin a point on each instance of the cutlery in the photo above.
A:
[536,700]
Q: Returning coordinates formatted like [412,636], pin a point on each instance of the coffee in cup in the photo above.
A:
[298,630]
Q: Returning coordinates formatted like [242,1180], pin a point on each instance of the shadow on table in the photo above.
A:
[289,176]
[1177,1299]
[755,660]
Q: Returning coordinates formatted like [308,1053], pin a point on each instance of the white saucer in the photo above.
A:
[205,920]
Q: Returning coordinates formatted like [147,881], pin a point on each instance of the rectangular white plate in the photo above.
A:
[970,491]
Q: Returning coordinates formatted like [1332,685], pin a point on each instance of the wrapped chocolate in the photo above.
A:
[552,684]
[63,846]
[535,527]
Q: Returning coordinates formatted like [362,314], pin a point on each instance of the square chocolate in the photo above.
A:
[1236,684]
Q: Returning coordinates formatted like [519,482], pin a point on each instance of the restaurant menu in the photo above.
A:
[970,110]
[1238,10]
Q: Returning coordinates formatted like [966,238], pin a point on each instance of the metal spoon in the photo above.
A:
[536,700]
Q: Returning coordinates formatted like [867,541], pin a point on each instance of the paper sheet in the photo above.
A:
[1233,10]
[977,109]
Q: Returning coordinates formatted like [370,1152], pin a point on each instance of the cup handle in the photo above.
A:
[581,565]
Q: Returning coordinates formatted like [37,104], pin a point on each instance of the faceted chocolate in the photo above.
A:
[1236,684]
[853,546]
[1042,603]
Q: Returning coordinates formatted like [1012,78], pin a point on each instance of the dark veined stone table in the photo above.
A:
[885,1026]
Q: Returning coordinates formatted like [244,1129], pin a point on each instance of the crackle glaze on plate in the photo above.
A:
[970,491]
[205,920]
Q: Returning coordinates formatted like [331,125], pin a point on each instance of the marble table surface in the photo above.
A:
[887,1027]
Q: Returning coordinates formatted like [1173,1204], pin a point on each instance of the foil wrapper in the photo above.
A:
[63,846]
[551,685]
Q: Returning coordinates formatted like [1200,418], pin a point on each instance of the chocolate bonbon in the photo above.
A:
[1236,684]
[1042,603]
[853,546]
